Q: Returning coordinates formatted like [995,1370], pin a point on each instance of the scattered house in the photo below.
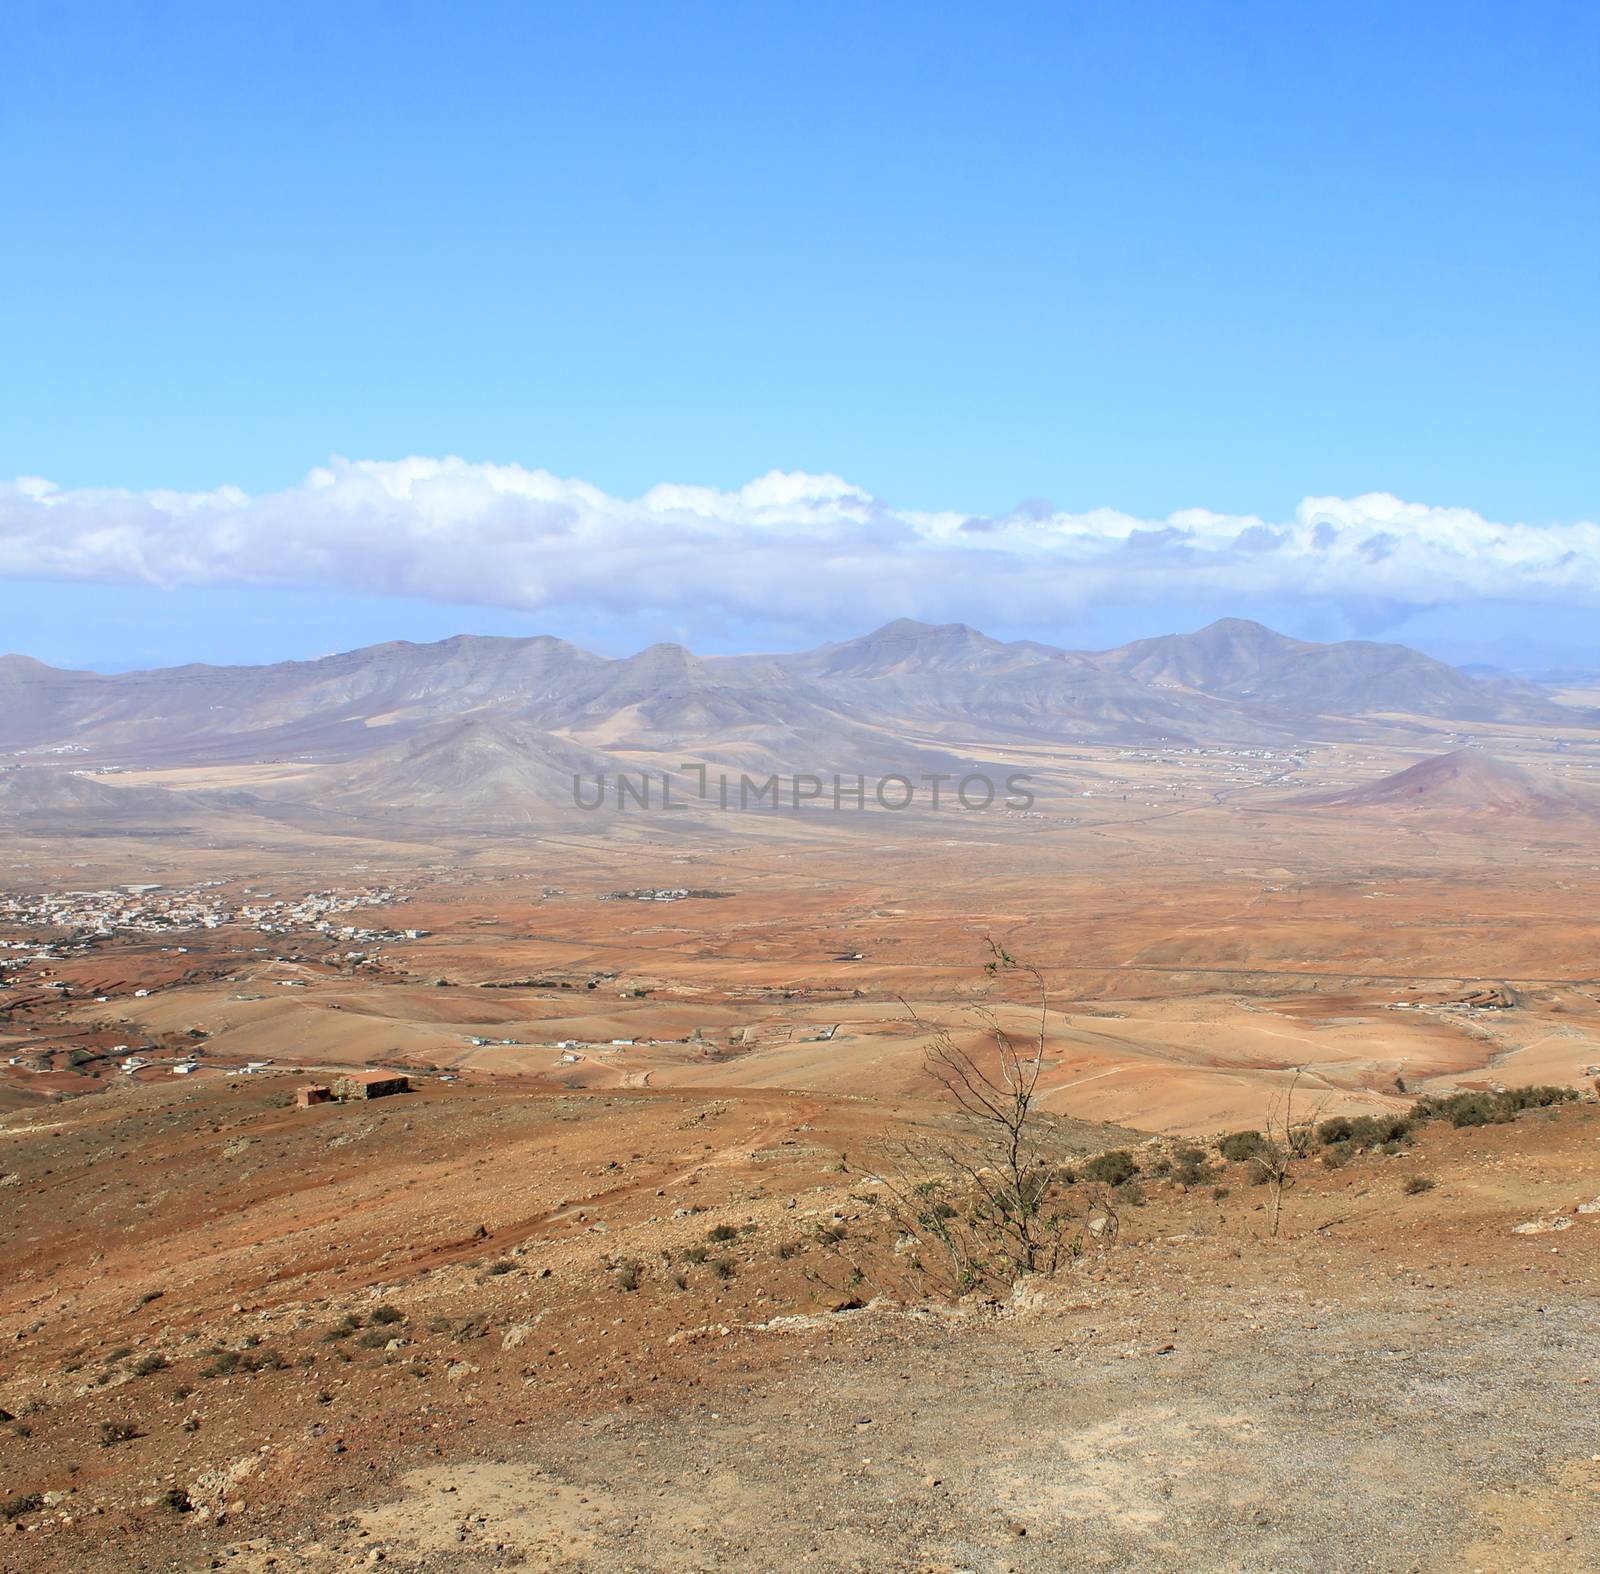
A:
[185,1068]
[370,1084]
[621,1043]
[1491,997]
[312,1093]
[251,1067]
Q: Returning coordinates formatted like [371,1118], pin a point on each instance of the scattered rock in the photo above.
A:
[1541,1226]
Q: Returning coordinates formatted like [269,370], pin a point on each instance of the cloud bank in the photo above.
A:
[794,548]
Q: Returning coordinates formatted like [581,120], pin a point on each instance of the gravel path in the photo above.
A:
[1392,1437]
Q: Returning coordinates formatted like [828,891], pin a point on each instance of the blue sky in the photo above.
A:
[1146,258]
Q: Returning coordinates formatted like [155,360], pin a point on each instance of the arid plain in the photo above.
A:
[1202,937]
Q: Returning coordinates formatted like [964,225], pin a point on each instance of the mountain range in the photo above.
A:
[494,728]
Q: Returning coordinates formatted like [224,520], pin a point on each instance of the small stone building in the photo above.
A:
[370,1084]
[313,1093]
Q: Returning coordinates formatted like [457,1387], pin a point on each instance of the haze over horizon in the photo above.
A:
[364,552]
[1071,325]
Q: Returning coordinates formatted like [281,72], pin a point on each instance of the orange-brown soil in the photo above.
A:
[195,1260]
[361,1325]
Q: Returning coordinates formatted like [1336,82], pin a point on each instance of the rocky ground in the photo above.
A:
[512,1327]
[1317,1436]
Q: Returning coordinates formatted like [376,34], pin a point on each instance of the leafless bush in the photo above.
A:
[1287,1138]
[990,1201]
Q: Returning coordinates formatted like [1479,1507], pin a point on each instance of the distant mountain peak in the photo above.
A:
[1243,629]
[913,628]
[906,646]
[1464,781]
[665,659]
[1238,660]
[24,665]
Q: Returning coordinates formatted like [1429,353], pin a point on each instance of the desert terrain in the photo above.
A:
[620,1282]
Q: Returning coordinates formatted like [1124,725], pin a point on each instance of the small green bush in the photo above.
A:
[226,1362]
[1482,1108]
[1111,1169]
[1238,1146]
[1376,1131]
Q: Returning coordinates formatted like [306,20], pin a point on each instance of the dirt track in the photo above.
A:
[1385,1437]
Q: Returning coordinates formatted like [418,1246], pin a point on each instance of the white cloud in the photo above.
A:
[803,549]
